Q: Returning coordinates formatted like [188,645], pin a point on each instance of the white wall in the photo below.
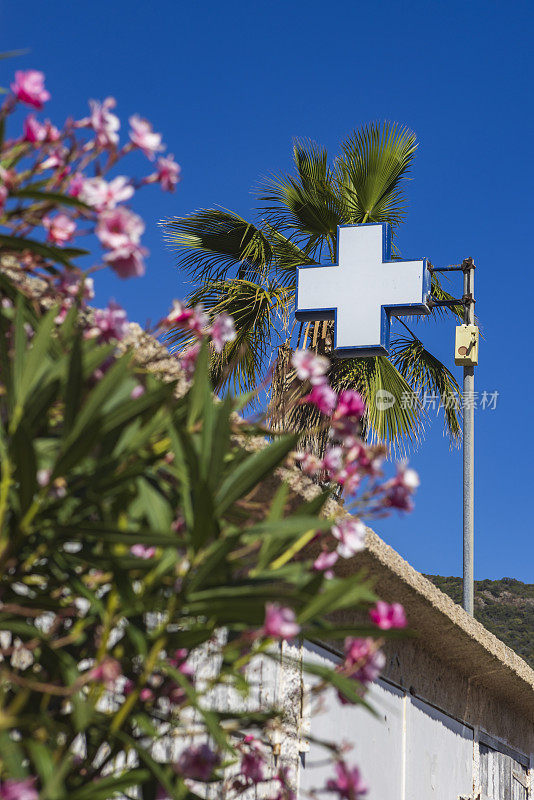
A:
[410,751]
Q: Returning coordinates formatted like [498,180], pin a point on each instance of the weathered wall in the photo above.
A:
[411,666]
[412,750]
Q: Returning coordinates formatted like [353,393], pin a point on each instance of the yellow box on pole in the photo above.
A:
[466,346]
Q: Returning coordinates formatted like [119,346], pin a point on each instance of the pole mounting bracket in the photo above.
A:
[467,264]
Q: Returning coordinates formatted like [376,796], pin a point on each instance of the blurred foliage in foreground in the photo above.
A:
[132,534]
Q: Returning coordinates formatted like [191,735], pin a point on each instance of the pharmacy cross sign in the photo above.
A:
[363,291]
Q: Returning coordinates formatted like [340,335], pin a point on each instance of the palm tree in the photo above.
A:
[249,271]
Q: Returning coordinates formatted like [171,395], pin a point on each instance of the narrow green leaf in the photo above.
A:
[200,393]
[251,470]
[54,254]
[51,197]
[336,594]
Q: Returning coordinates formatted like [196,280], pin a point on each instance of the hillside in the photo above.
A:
[505,607]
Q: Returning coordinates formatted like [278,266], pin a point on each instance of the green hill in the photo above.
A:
[505,607]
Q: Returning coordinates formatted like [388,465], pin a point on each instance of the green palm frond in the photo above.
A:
[287,256]
[256,309]
[426,374]
[211,242]
[441,294]
[375,162]
[306,203]
[389,417]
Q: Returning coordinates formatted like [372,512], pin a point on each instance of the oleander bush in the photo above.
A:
[137,539]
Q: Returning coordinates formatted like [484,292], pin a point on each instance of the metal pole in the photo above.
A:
[469,449]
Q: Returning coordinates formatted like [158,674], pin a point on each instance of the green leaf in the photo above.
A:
[220,441]
[54,198]
[337,594]
[351,689]
[212,241]
[199,396]
[74,387]
[23,456]
[42,759]
[251,470]
[291,527]
[30,362]
[13,756]
[110,785]
[154,506]
[82,436]
[54,254]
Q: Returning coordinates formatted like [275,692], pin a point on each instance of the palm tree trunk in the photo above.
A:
[286,410]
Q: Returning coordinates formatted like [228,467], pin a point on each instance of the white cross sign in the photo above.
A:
[363,291]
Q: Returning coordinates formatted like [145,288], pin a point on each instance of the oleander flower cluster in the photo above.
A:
[59,184]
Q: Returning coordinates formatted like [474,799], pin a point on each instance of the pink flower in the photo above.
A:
[168,173]
[178,524]
[188,359]
[252,766]
[119,227]
[28,87]
[43,477]
[69,284]
[197,762]
[333,459]
[33,130]
[222,331]
[398,491]
[137,391]
[107,672]
[350,533]
[386,616]
[364,655]
[104,123]
[19,790]
[55,159]
[280,622]
[181,316]
[310,464]
[350,404]
[325,561]
[3,197]
[144,137]
[109,323]
[76,184]
[104,196]
[141,551]
[179,657]
[60,228]
[285,792]
[37,132]
[127,261]
[178,315]
[348,783]
[322,397]
[309,366]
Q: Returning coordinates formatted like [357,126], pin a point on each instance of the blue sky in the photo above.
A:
[230,84]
